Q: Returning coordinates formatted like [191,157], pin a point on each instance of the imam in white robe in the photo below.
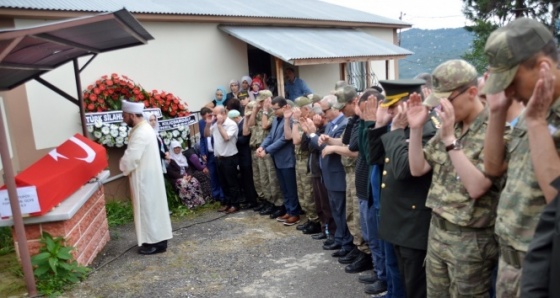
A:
[141,163]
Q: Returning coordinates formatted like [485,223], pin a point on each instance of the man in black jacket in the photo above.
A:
[404,219]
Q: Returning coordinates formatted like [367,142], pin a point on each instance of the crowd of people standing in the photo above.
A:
[436,184]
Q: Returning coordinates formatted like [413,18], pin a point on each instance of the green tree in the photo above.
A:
[487,15]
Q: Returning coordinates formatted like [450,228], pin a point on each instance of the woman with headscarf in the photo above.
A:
[183,173]
[234,88]
[164,155]
[220,98]
[246,83]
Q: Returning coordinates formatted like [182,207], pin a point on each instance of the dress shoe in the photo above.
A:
[321,236]
[329,241]
[312,228]
[223,208]
[260,207]
[377,288]
[267,210]
[248,206]
[292,220]
[283,217]
[303,226]
[332,246]
[150,250]
[279,211]
[361,263]
[340,253]
[368,279]
[232,209]
[350,257]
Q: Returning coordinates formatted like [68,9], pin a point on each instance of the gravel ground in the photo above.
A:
[239,255]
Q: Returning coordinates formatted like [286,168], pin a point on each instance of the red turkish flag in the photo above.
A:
[64,170]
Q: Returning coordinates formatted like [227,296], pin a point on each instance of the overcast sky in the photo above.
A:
[427,14]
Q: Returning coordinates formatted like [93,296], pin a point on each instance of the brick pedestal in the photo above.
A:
[87,231]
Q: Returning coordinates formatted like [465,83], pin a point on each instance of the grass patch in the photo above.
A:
[11,276]
[119,213]
[6,241]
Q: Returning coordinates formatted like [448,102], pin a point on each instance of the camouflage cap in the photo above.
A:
[344,95]
[291,103]
[303,101]
[314,98]
[249,108]
[508,46]
[340,84]
[448,77]
[264,94]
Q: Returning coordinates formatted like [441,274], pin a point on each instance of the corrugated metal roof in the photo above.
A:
[292,44]
[30,52]
[285,9]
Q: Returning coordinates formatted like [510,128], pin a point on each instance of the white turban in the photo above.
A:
[132,107]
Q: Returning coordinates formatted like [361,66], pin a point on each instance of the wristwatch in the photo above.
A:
[456,145]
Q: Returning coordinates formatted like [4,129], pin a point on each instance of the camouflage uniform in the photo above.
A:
[352,202]
[254,143]
[303,178]
[266,173]
[520,205]
[462,249]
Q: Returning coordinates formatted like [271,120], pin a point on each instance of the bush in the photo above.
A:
[55,267]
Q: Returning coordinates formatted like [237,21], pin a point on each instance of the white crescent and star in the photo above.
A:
[89,151]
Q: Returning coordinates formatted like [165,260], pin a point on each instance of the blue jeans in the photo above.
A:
[368,223]
[342,236]
[217,192]
[288,186]
[395,285]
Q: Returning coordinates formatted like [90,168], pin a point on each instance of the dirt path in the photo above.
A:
[240,255]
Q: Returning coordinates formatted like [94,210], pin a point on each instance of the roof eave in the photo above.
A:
[234,20]
[314,61]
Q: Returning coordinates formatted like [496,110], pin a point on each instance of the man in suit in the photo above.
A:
[404,219]
[282,152]
[334,176]
[207,154]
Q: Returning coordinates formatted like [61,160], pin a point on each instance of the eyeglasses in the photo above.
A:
[325,111]
[460,92]
[276,109]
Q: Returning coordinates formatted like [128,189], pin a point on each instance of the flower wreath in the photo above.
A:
[106,95]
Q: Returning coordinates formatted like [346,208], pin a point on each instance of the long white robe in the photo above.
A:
[141,163]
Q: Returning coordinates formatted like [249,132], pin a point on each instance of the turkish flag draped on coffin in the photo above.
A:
[63,171]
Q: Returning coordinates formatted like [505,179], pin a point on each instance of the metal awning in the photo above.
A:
[305,46]
[30,52]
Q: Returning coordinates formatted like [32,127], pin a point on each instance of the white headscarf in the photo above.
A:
[248,79]
[180,159]
[147,116]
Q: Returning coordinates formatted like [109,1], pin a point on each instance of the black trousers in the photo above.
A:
[247,183]
[411,266]
[227,175]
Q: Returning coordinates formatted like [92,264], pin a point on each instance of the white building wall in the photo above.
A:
[320,78]
[379,66]
[188,60]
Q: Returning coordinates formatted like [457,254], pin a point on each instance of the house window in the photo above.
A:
[360,77]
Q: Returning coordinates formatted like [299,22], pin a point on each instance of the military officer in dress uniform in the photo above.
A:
[404,219]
